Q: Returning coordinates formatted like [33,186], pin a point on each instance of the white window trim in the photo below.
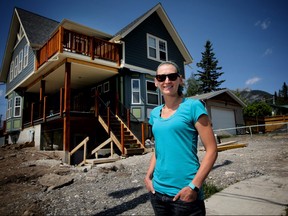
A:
[106,87]
[17,106]
[20,61]
[16,66]
[151,92]
[26,56]
[9,109]
[99,89]
[132,91]
[157,48]
[11,71]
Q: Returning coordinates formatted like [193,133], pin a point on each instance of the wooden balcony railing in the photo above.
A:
[69,41]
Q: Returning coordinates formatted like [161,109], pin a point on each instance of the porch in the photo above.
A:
[90,117]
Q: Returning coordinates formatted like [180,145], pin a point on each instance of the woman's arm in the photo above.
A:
[149,174]
[206,133]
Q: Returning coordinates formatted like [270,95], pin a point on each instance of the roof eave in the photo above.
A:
[9,45]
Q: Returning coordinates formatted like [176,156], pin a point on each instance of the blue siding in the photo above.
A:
[136,44]
[25,71]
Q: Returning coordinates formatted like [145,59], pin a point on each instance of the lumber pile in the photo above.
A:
[227,145]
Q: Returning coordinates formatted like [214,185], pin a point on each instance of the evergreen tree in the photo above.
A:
[208,76]
[284,91]
[192,86]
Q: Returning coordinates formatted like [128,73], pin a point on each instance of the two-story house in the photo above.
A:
[67,83]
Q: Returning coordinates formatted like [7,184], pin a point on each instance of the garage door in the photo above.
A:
[223,118]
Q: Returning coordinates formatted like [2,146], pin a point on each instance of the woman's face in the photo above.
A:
[168,85]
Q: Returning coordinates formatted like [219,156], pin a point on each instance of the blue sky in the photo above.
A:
[249,37]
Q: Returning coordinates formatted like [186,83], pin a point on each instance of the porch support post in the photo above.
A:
[41,97]
[61,101]
[66,122]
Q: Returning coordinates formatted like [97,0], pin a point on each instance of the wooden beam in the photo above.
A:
[111,69]
[67,92]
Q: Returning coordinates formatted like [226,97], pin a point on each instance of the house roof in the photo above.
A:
[37,28]
[168,24]
[210,95]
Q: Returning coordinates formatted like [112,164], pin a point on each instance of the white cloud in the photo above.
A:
[252,81]
[268,51]
[263,24]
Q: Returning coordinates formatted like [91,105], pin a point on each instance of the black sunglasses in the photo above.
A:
[171,77]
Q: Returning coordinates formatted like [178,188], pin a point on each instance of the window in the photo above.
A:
[11,70]
[26,51]
[157,48]
[17,106]
[16,66]
[99,89]
[135,86]
[106,87]
[151,93]
[9,109]
[20,61]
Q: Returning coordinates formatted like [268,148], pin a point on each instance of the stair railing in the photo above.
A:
[83,143]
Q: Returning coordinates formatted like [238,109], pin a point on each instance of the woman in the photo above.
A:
[175,176]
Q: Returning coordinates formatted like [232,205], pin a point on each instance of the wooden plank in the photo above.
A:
[102,160]
[101,145]
[226,143]
[232,146]
[227,146]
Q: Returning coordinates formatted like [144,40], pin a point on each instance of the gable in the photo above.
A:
[224,95]
[168,25]
[36,29]
[136,44]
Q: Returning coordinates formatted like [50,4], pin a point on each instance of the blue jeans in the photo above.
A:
[164,205]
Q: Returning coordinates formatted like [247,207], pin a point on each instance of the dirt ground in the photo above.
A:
[22,168]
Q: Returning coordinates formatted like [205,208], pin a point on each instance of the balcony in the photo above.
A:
[69,41]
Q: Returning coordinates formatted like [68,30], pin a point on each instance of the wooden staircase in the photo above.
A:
[118,133]
[122,136]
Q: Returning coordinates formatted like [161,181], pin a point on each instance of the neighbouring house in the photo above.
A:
[225,111]
[68,84]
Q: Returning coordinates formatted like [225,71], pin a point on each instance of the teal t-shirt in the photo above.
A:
[176,147]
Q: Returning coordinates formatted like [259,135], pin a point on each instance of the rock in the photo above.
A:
[54,181]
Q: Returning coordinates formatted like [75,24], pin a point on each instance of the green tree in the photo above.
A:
[284,91]
[192,86]
[209,75]
[257,109]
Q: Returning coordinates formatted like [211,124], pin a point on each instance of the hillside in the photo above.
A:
[250,96]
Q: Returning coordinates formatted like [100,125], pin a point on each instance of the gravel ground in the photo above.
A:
[118,188]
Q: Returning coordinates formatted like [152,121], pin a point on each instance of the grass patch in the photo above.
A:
[210,189]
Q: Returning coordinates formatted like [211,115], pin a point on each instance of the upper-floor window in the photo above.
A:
[17,106]
[151,93]
[157,48]
[11,70]
[15,66]
[26,52]
[135,86]
[20,63]
[20,66]
[9,109]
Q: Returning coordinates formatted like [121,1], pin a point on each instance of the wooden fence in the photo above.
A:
[266,124]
